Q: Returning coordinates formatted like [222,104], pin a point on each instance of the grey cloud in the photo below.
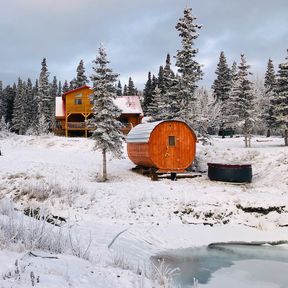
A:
[137,34]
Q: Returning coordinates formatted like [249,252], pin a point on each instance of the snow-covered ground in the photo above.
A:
[153,216]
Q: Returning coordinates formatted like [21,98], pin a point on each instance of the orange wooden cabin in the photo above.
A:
[168,146]
[75,107]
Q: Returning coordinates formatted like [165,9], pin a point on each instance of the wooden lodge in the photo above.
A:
[169,146]
[75,107]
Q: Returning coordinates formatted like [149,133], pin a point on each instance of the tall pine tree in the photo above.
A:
[281,99]
[44,97]
[81,78]
[104,125]
[188,68]
[119,89]
[147,94]
[243,101]
[269,86]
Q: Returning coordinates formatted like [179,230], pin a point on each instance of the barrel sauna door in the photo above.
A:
[166,146]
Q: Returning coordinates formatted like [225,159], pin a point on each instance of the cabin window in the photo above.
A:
[171,141]
[78,101]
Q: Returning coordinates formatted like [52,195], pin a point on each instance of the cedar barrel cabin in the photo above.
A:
[168,146]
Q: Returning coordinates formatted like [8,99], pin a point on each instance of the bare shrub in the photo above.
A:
[23,233]
[163,274]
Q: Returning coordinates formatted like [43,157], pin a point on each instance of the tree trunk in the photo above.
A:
[246,140]
[104,175]
[286,137]
[268,133]
[249,140]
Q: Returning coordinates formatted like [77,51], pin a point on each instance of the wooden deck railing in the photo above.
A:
[77,125]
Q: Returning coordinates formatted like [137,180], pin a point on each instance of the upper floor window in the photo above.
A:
[78,99]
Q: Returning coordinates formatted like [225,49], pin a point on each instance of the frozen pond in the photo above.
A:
[229,265]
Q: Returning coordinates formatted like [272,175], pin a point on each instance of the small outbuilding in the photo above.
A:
[168,146]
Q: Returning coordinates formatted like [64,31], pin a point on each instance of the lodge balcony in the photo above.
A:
[76,125]
[83,126]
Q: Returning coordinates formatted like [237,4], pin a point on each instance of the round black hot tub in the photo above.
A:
[230,173]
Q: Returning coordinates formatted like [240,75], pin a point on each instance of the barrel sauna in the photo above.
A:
[169,146]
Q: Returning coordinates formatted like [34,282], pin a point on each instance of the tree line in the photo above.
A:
[233,102]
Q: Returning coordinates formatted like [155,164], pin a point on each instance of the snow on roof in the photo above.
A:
[141,133]
[59,109]
[129,104]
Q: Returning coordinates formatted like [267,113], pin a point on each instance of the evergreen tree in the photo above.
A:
[243,101]
[125,90]
[65,87]
[81,78]
[227,117]
[9,94]
[119,89]
[31,106]
[53,95]
[208,110]
[280,100]
[19,112]
[131,88]
[72,84]
[147,94]
[44,97]
[104,124]
[221,86]
[169,91]
[160,79]
[269,85]
[189,70]
[59,91]
[155,108]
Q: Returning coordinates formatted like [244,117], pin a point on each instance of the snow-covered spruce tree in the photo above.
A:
[169,91]
[104,125]
[59,90]
[53,94]
[81,78]
[160,83]
[31,109]
[125,90]
[119,89]
[131,90]
[65,87]
[19,120]
[44,98]
[208,110]
[221,87]
[188,69]
[261,103]
[155,110]
[4,128]
[280,100]
[243,101]
[147,93]
[72,84]
[9,94]
[269,84]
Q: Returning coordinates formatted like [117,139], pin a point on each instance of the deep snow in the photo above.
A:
[157,215]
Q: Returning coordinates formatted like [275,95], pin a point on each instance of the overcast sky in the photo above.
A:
[137,35]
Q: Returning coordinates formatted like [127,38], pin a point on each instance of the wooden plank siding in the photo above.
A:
[175,156]
[77,108]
